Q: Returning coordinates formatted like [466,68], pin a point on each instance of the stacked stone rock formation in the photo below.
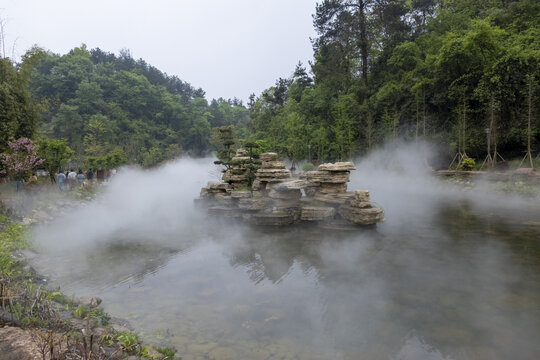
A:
[237,174]
[276,198]
[359,210]
[329,183]
[271,171]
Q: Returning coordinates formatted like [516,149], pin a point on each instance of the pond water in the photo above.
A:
[451,274]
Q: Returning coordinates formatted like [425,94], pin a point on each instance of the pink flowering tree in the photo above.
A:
[21,158]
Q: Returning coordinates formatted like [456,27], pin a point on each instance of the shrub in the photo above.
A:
[467,164]
[308,167]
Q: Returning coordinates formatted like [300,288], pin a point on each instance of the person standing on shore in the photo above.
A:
[100,175]
[61,180]
[71,178]
[90,175]
[80,177]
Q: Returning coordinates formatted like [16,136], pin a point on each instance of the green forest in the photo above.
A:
[440,70]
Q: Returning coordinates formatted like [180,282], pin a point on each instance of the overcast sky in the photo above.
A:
[229,48]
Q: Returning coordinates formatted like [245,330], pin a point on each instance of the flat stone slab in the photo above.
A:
[239,194]
[285,194]
[227,176]
[223,199]
[261,204]
[317,213]
[271,172]
[241,158]
[339,166]
[272,219]
[246,203]
[268,175]
[224,211]
[270,156]
[338,225]
[323,176]
[332,188]
[360,204]
[283,204]
[218,186]
[273,165]
[333,198]
[289,185]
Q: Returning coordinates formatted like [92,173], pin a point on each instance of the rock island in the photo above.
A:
[269,195]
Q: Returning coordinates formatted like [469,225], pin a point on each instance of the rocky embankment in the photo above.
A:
[276,198]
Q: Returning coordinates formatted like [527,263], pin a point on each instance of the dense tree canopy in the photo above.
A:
[396,68]
[99,102]
[441,69]
[19,114]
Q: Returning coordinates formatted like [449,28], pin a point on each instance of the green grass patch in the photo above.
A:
[12,237]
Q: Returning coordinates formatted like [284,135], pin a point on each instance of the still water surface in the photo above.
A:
[444,278]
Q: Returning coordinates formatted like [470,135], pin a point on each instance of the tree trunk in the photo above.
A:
[464,128]
[363,40]
[424,111]
[529,115]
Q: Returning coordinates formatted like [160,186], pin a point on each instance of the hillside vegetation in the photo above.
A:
[443,70]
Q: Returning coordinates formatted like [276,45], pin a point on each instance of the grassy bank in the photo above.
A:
[60,327]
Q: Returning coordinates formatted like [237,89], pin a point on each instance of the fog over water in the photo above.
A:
[450,274]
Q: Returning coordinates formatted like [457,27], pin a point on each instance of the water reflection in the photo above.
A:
[472,291]
[449,275]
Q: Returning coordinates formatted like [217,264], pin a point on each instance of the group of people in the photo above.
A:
[69,179]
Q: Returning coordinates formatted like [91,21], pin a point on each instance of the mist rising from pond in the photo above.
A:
[449,275]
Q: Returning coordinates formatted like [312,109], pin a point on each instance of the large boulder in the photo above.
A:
[361,195]
[90,301]
[361,216]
